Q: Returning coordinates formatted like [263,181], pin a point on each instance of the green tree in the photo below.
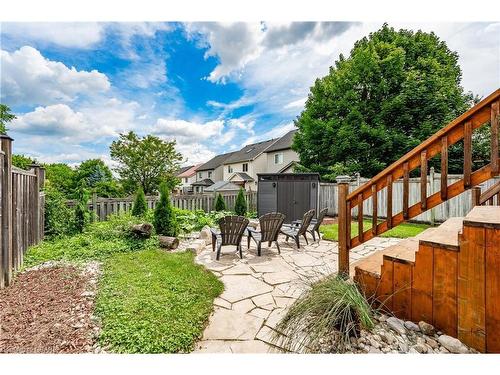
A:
[140,206]
[220,204]
[59,218]
[98,178]
[144,161]
[394,90]
[5,117]
[61,178]
[240,206]
[165,221]
[22,161]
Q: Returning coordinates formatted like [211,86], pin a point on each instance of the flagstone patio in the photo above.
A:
[258,290]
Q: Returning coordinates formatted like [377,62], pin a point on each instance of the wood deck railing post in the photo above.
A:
[476,196]
[343,225]
[6,229]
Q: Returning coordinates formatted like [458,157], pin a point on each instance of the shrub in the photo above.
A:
[220,204]
[332,311]
[82,213]
[240,206]
[140,205]
[164,218]
[59,218]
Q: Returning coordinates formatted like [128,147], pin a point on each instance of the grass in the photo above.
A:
[154,302]
[325,317]
[149,301]
[405,230]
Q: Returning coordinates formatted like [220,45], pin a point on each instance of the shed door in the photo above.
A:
[267,197]
[286,200]
[301,198]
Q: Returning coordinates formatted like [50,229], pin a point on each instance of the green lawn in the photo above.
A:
[149,301]
[154,302]
[405,230]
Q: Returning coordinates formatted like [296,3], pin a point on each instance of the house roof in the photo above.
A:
[215,162]
[222,186]
[188,172]
[288,166]
[204,182]
[249,152]
[283,143]
[183,169]
[244,176]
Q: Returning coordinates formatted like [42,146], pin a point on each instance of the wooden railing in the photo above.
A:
[490,197]
[461,128]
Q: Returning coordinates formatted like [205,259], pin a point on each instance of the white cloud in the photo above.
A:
[185,130]
[66,34]
[299,103]
[88,123]
[29,78]
[276,132]
[195,153]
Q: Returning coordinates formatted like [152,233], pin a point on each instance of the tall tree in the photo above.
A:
[394,90]
[144,161]
[98,178]
[5,117]
[22,161]
[61,177]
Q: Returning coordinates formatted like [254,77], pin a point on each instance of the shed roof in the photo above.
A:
[222,186]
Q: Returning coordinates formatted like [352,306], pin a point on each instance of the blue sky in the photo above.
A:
[211,86]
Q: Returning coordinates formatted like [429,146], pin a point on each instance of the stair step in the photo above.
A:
[484,215]
[403,250]
[445,236]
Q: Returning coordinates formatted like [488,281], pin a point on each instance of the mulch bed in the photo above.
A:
[47,310]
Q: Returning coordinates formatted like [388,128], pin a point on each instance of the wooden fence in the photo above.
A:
[456,206]
[103,207]
[22,208]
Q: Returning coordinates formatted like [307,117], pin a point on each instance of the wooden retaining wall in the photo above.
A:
[22,208]
[103,207]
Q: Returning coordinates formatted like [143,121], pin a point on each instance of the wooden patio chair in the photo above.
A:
[315,224]
[295,231]
[270,225]
[230,233]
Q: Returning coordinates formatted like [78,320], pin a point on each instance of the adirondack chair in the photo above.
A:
[315,224]
[230,233]
[270,225]
[295,231]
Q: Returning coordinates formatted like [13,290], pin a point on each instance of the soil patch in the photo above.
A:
[48,310]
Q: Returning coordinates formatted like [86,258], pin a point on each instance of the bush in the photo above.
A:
[332,311]
[164,217]
[59,219]
[140,205]
[82,214]
[240,206]
[220,204]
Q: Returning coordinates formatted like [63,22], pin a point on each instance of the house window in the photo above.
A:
[209,174]
[229,169]
[200,175]
[278,158]
[186,180]
[245,167]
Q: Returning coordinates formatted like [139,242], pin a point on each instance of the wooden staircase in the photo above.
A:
[448,276]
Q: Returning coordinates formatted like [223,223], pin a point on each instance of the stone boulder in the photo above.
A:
[170,243]
[142,230]
[452,344]
[206,235]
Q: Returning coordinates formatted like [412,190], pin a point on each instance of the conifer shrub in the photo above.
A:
[165,220]
[220,204]
[140,205]
[240,206]
[82,214]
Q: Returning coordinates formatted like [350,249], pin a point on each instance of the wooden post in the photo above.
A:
[476,195]
[36,201]
[432,176]
[343,225]
[6,202]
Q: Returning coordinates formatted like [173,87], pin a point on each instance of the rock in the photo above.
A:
[432,343]
[452,344]
[373,350]
[396,324]
[442,349]
[412,326]
[142,230]
[387,337]
[206,235]
[170,243]
[421,348]
[373,342]
[426,328]
[403,347]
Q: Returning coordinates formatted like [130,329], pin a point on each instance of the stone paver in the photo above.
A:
[259,290]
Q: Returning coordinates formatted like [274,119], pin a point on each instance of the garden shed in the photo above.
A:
[289,193]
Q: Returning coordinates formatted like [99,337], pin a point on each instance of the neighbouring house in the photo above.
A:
[222,187]
[187,176]
[280,156]
[211,170]
[200,186]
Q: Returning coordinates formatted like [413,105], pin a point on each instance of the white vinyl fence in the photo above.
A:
[457,206]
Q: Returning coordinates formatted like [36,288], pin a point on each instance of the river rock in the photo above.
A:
[396,324]
[426,328]
[412,326]
[452,344]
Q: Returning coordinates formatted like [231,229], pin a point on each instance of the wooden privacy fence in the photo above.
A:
[459,205]
[22,208]
[103,207]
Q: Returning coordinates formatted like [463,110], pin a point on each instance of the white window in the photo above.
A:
[200,175]
[245,167]
[229,169]
[278,158]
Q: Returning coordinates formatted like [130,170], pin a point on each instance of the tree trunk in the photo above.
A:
[143,230]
